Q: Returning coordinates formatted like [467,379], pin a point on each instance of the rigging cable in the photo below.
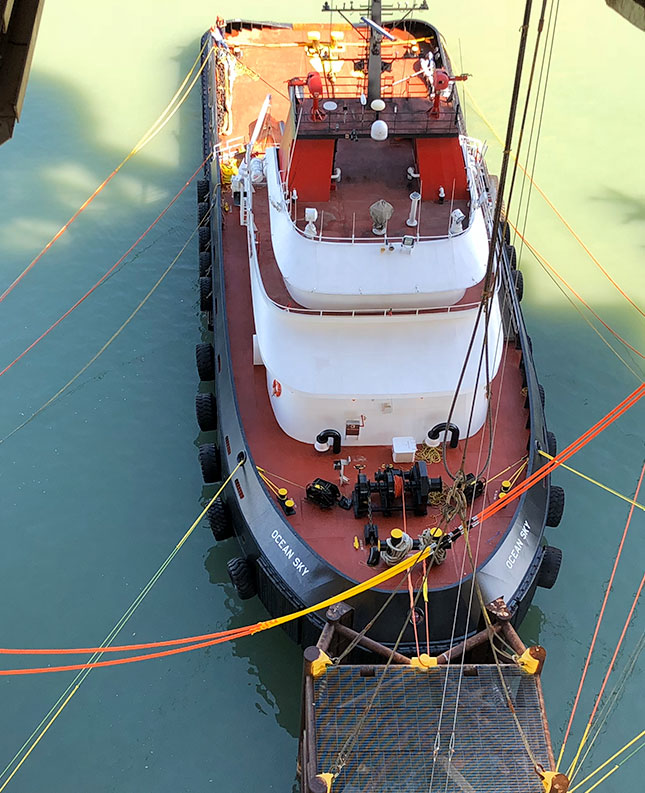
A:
[577,308]
[154,130]
[612,700]
[491,275]
[580,298]
[606,763]
[542,88]
[112,338]
[550,204]
[593,643]
[73,687]
[105,275]
[632,501]
[607,673]
[404,565]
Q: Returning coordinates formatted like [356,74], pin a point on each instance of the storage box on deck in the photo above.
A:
[403,449]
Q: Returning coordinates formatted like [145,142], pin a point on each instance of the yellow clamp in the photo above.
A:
[319,666]
[554,782]
[423,662]
[532,659]
[327,779]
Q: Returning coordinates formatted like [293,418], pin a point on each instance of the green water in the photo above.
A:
[97,490]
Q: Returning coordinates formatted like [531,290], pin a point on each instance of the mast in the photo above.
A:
[377,32]
[374,62]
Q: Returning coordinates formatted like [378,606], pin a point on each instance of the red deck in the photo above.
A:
[291,463]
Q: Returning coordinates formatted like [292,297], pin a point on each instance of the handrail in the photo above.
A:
[353,312]
[362,240]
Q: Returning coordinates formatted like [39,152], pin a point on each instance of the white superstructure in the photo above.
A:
[379,347]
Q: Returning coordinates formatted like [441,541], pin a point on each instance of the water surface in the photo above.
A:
[99,487]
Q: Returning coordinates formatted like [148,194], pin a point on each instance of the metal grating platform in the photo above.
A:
[394,751]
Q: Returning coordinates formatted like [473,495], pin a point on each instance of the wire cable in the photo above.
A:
[593,642]
[105,275]
[154,130]
[69,692]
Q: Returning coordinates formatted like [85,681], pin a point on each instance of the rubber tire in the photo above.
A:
[205,294]
[205,358]
[220,521]
[512,257]
[556,506]
[204,233]
[206,410]
[518,281]
[542,396]
[202,190]
[202,211]
[241,576]
[210,463]
[549,567]
[551,443]
[204,263]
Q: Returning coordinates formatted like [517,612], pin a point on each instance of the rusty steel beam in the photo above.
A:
[370,644]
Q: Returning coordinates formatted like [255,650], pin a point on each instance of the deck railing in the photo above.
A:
[248,219]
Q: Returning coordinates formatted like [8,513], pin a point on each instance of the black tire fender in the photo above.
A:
[202,211]
[202,190]
[210,463]
[556,506]
[551,443]
[549,567]
[220,520]
[241,575]
[512,256]
[205,358]
[518,282]
[204,263]
[204,234]
[206,410]
[205,293]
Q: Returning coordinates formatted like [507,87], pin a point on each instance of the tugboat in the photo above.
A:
[370,371]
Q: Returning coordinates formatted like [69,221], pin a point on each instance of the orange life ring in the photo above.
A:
[277,388]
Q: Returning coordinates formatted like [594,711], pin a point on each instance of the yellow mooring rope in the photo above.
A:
[596,482]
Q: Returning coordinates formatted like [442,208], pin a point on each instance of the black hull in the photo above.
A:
[288,574]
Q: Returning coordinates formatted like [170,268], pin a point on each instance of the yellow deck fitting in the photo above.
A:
[327,779]
[554,782]
[319,666]
[423,662]
[532,659]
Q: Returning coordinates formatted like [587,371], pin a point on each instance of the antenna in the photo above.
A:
[378,29]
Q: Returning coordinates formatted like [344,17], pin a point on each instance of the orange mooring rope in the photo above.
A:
[595,634]
[222,636]
[103,278]
[552,269]
[170,110]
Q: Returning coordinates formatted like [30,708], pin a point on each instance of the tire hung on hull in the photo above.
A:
[556,506]
[205,359]
[241,574]
[549,567]
[210,463]
[220,521]
[206,411]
